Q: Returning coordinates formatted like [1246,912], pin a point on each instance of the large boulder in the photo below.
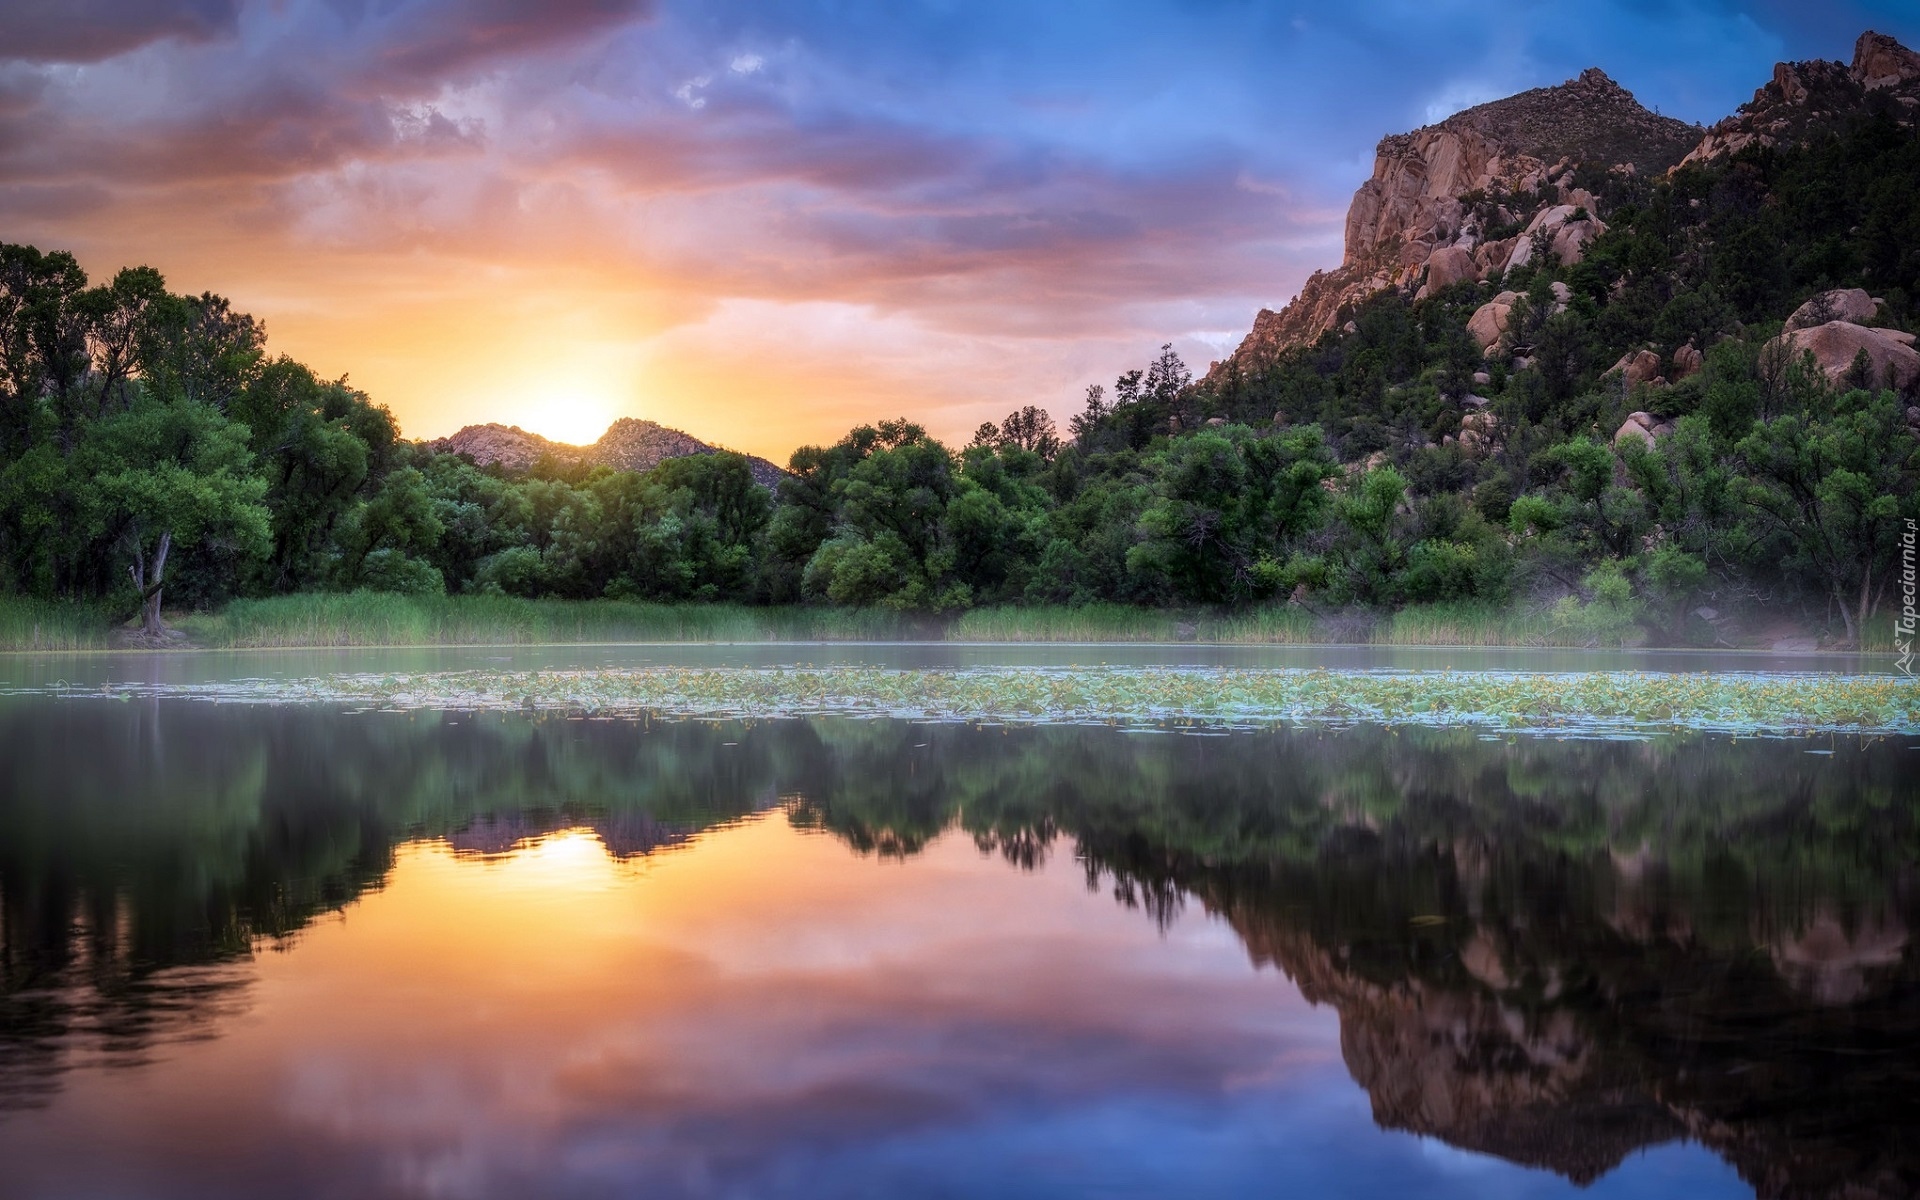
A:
[1840,304]
[1493,256]
[1489,321]
[1479,432]
[1642,427]
[1638,366]
[1557,227]
[1570,242]
[1449,265]
[1836,344]
[1687,360]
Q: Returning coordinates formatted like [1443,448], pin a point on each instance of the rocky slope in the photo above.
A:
[1492,186]
[1805,98]
[628,444]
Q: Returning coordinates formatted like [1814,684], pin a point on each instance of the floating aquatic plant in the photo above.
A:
[1596,702]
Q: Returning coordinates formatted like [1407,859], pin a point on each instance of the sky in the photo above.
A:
[766,222]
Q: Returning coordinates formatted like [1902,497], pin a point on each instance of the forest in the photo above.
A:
[153,450]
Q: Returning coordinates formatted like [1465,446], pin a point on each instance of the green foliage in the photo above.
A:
[1828,493]
[1611,610]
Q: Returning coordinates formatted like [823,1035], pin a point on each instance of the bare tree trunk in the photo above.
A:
[150,622]
[1839,601]
[138,569]
[1866,594]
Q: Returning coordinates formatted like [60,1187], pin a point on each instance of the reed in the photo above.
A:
[328,619]
[1278,624]
[1470,624]
[51,625]
[385,619]
[1080,623]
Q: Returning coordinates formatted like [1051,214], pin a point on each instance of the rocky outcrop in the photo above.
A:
[1642,427]
[1489,321]
[1562,230]
[1492,321]
[1637,367]
[1836,346]
[1840,304]
[1450,265]
[1436,195]
[1491,187]
[1479,430]
[1806,98]
[1880,62]
[627,445]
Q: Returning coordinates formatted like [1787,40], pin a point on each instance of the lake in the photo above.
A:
[329,949]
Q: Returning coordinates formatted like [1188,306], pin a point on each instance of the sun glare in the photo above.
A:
[568,414]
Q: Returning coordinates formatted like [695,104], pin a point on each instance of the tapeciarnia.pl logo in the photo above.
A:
[1904,626]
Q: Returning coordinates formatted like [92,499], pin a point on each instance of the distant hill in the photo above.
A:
[629,444]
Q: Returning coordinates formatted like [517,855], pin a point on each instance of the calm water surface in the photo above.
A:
[297,951]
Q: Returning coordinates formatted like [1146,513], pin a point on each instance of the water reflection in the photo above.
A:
[1556,953]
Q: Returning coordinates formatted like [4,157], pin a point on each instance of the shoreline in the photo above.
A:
[955,644]
[386,621]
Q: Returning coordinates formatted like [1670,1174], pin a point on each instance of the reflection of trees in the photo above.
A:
[145,848]
[1533,959]
[1552,951]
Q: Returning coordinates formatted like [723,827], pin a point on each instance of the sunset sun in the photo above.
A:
[574,412]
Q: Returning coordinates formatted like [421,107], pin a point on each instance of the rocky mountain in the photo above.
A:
[629,444]
[1455,200]
[1805,98]
[1489,187]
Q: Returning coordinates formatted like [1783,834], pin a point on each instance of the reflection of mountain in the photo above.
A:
[1556,952]
[1565,1046]
[625,835]
[1564,1009]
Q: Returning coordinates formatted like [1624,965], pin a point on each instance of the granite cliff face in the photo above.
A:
[1462,198]
[1490,187]
[628,444]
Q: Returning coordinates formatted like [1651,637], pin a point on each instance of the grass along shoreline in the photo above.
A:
[1595,703]
[381,619]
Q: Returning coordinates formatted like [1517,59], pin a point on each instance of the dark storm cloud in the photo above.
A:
[91,30]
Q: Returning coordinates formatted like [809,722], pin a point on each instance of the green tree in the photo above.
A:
[1829,492]
[170,473]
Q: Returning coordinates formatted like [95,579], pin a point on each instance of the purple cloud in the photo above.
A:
[83,31]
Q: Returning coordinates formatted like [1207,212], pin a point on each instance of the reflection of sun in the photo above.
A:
[565,860]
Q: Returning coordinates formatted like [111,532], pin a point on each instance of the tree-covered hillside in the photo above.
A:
[151,446]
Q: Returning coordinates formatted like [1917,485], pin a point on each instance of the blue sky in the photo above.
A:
[763,222]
